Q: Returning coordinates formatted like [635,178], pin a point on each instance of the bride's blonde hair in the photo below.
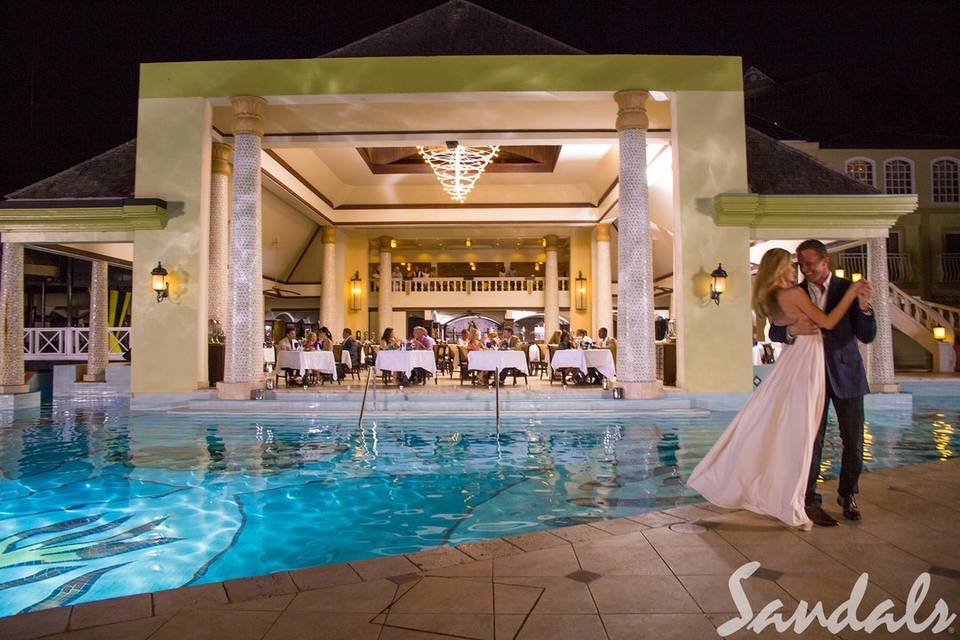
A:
[771,277]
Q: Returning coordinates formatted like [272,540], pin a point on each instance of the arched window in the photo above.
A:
[898,176]
[861,170]
[945,180]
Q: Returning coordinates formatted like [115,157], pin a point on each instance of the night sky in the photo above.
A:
[69,70]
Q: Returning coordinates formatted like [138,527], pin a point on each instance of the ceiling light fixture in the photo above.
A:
[458,167]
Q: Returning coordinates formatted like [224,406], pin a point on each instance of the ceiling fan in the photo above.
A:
[276,292]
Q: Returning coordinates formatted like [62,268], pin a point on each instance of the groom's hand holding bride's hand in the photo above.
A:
[864,294]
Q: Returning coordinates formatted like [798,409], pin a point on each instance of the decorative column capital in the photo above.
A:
[632,113]
[222,159]
[248,114]
[329,235]
[385,243]
[603,232]
[552,241]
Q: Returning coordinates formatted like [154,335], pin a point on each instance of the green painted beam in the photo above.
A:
[868,211]
[130,215]
[441,74]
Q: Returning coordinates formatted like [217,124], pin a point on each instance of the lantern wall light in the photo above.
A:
[355,291]
[718,283]
[581,291]
[840,273]
[158,282]
[939,333]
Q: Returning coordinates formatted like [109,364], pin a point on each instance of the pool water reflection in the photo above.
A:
[97,501]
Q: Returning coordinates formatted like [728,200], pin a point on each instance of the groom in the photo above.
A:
[846,378]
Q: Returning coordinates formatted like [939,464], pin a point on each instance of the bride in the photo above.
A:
[761,461]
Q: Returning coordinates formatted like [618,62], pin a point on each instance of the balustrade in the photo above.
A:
[467,285]
[950,267]
[899,265]
[69,343]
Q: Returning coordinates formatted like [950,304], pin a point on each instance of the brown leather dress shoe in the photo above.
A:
[820,517]
[850,509]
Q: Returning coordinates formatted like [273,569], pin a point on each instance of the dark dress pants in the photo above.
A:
[850,421]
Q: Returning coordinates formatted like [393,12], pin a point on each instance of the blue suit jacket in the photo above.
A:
[846,376]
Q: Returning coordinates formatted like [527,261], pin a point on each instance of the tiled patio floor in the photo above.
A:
[650,576]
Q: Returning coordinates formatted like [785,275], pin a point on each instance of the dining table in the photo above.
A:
[406,361]
[321,361]
[585,359]
[490,360]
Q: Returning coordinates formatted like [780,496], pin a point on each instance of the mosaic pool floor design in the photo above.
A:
[99,501]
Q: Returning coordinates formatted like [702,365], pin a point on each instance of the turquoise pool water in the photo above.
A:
[97,501]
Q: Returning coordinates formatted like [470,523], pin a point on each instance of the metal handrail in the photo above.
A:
[363,403]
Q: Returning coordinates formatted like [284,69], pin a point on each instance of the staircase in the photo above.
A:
[916,319]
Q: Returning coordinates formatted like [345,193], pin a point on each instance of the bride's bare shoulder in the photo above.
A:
[789,293]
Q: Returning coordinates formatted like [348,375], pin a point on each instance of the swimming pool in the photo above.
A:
[97,501]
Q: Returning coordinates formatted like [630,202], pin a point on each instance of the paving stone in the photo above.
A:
[216,624]
[474,626]
[562,627]
[580,533]
[273,584]
[489,549]
[309,625]
[662,626]
[34,624]
[438,558]
[101,612]
[536,541]
[371,596]
[376,568]
[133,630]
[167,603]
[320,577]
[545,562]
[641,594]
[446,595]
[618,526]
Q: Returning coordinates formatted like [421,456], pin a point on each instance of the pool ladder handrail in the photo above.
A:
[363,403]
[497,387]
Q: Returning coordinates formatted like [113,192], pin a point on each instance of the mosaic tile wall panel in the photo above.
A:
[328,302]
[98,345]
[602,287]
[244,360]
[11,309]
[881,349]
[636,360]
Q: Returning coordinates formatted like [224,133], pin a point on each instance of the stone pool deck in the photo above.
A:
[646,576]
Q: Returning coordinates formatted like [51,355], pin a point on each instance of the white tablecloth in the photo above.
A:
[599,359]
[321,361]
[406,361]
[492,360]
[268,354]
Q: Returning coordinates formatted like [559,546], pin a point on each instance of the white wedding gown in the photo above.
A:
[762,459]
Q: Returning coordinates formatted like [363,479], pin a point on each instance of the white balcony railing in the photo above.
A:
[69,343]
[467,285]
[899,265]
[950,267]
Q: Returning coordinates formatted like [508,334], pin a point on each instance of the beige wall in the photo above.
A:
[713,351]
[169,343]
[580,260]
[356,258]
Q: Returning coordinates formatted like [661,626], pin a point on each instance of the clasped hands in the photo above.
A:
[804,326]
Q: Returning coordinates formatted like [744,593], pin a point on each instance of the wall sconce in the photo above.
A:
[158,282]
[718,283]
[581,291]
[840,273]
[543,242]
[393,243]
[939,333]
[856,277]
[473,267]
[536,266]
[355,291]
[468,242]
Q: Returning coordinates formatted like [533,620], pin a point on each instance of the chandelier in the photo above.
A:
[458,167]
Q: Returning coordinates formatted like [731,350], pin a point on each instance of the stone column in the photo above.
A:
[331,288]
[244,358]
[217,283]
[551,290]
[602,285]
[636,352]
[880,368]
[98,334]
[11,310]
[385,296]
